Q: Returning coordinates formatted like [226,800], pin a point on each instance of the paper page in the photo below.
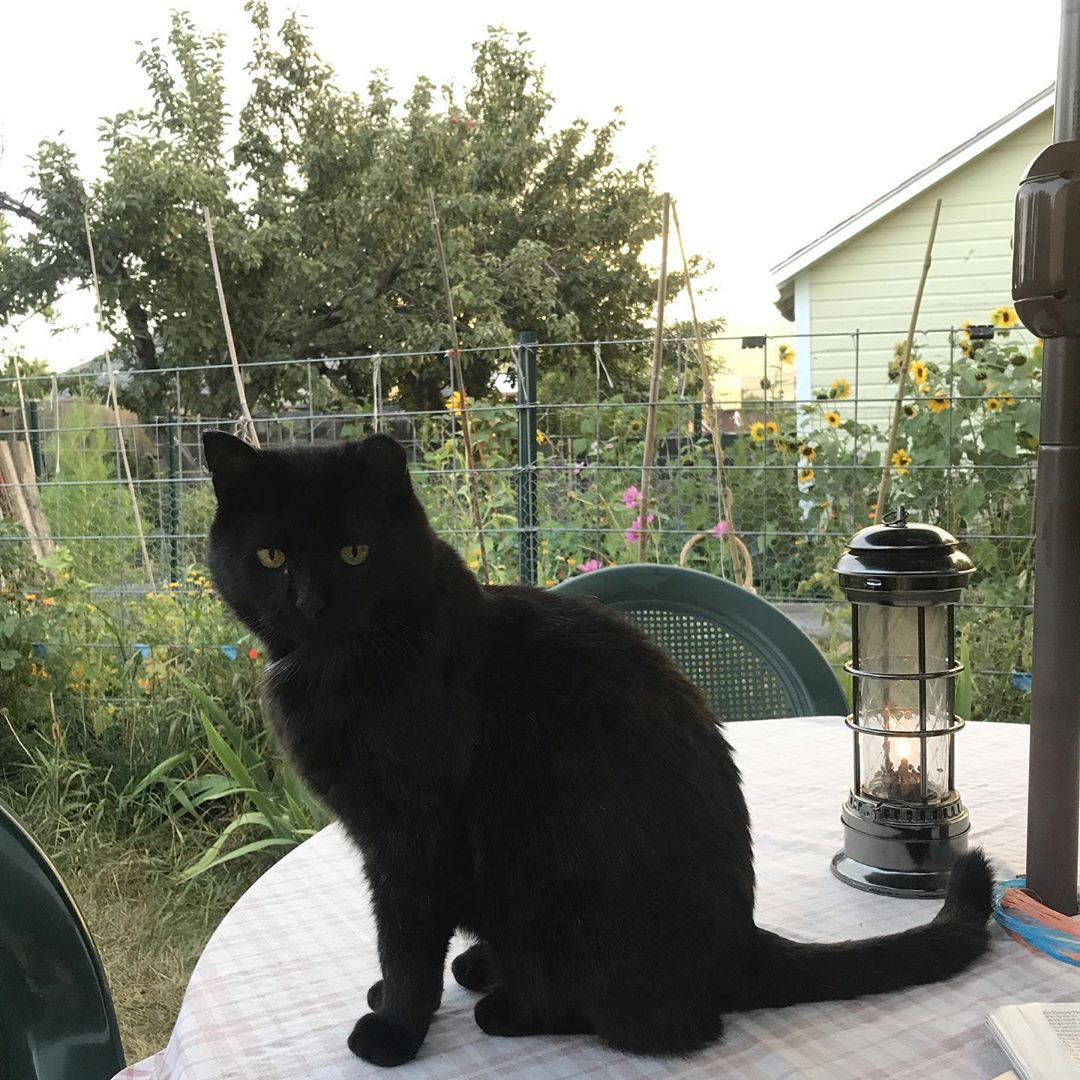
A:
[1041,1040]
[1064,1022]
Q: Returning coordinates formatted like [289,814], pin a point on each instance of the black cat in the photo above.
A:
[522,766]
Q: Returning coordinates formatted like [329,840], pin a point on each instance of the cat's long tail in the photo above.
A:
[792,972]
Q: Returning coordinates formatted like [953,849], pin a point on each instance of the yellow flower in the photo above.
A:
[919,372]
[1004,318]
[30,597]
[965,348]
[901,459]
[1003,396]
[549,582]
[993,404]
[842,389]
[833,419]
[873,511]
[757,431]
[911,411]
[540,437]
[771,427]
[939,402]
[787,354]
[806,476]
[571,561]
[924,388]
[173,585]
[808,452]
[48,601]
[453,403]
[474,564]
[966,326]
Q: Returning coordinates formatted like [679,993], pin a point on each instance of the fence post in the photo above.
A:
[33,421]
[172,457]
[528,546]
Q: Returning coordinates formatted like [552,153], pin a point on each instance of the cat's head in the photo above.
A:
[310,544]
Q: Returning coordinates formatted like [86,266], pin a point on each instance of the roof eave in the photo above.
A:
[784,273]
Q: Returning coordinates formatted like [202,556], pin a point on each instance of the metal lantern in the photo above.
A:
[904,823]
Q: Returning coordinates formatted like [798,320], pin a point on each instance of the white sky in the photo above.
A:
[771,120]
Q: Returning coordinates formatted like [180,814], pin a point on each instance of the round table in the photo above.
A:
[284,977]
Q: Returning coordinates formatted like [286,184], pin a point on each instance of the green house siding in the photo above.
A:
[869,283]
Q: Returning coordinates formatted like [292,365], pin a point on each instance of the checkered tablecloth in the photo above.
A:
[283,979]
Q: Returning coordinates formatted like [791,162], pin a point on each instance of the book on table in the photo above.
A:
[1042,1040]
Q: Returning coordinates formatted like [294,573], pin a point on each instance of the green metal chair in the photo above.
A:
[750,661]
[56,1014]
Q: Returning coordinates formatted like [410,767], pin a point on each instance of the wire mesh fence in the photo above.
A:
[559,482]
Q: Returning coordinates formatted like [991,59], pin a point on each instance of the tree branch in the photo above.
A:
[139,325]
[17,206]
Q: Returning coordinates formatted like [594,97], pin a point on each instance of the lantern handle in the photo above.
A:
[896,518]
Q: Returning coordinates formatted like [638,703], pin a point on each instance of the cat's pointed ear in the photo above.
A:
[230,460]
[383,462]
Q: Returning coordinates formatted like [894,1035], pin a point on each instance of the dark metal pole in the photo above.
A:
[1046,288]
[528,540]
[173,457]
[34,422]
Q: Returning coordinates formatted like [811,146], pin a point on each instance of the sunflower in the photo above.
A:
[901,459]
[806,476]
[807,452]
[841,389]
[965,327]
[993,404]
[757,431]
[924,387]
[787,354]
[965,348]
[1006,398]
[833,419]
[939,402]
[919,372]
[911,411]
[1004,318]
[771,428]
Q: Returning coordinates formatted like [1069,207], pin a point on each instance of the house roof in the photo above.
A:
[784,273]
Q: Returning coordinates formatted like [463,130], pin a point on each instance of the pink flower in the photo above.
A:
[253,654]
[633,534]
[590,564]
[720,528]
[631,496]
[578,466]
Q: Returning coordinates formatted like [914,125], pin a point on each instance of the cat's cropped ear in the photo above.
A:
[230,460]
[383,463]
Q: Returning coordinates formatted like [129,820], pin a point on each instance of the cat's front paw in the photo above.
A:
[374,1040]
[374,996]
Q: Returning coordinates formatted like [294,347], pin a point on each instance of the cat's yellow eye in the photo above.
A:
[271,558]
[354,554]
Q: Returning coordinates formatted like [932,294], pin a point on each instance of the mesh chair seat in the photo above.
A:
[749,661]
[56,1014]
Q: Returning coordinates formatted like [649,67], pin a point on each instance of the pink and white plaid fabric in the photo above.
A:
[283,979]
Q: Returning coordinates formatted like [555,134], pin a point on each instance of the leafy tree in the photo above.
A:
[321,223]
[28,369]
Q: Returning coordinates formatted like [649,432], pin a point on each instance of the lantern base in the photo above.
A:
[899,849]
[913,884]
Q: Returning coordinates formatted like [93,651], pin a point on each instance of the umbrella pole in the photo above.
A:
[1053,312]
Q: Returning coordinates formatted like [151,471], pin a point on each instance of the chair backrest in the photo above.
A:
[750,661]
[56,1015]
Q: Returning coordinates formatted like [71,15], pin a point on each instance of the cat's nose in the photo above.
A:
[309,604]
